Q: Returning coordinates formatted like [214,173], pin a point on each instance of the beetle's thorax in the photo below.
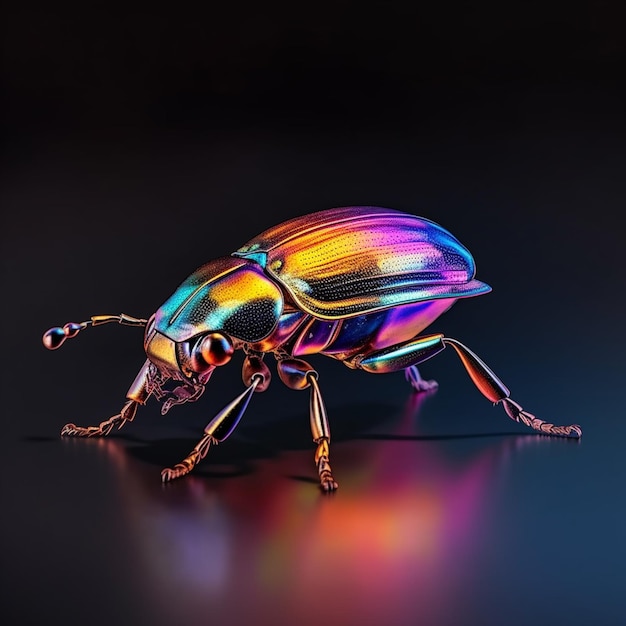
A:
[229,295]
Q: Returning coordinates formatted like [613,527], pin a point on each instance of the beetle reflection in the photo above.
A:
[400,534]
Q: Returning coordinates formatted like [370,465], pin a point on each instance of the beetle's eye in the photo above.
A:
[215,349]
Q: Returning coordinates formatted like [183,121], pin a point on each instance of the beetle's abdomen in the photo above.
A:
[352,261]
[373,331]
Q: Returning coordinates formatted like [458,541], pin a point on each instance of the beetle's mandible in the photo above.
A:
[358,284]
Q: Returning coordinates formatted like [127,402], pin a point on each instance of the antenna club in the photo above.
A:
[54,338]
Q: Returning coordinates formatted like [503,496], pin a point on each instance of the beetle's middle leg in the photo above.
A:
[405,355]
[298,374]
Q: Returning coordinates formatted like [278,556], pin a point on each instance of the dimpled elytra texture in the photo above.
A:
[354,260]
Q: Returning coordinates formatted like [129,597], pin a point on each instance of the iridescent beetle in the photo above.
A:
[358,284]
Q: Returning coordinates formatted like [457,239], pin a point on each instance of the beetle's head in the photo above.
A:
[194,358]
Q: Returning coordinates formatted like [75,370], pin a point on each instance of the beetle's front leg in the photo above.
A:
[256,375]
[298,374]
[137,394]
[104,428]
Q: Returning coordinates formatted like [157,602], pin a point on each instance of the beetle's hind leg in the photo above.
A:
[414,378]
[495,390]
[408,354]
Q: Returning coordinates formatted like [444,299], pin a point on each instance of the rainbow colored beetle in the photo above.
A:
[358,284]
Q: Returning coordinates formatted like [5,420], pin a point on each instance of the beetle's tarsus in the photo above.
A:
[180,469]
[176,472]
[104,428]
[71,430]
[322,461]
[190,461]
[517,414]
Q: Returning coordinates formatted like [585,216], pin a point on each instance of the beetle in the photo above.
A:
[358,284]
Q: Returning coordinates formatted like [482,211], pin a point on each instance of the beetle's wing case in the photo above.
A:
[349,261]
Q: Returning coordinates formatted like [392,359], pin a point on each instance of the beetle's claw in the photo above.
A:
[328,485]
[71,430]
[182,468]
[177,471]
[327,482]
[168,474]
[68,430]
[577,430]
[424,385]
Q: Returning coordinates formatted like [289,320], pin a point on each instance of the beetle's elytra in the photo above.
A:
[358,284]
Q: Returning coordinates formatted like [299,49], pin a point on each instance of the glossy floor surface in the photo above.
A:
[447,513]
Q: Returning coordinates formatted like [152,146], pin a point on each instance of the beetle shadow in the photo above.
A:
[262,438]
[258,440]
[38,439]
[255,441]
[223,461]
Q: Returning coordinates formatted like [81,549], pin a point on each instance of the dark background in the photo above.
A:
[139,144]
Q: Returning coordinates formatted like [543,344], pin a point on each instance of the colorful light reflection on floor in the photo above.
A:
[392,546]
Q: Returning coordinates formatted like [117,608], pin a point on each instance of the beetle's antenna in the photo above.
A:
[55,337]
